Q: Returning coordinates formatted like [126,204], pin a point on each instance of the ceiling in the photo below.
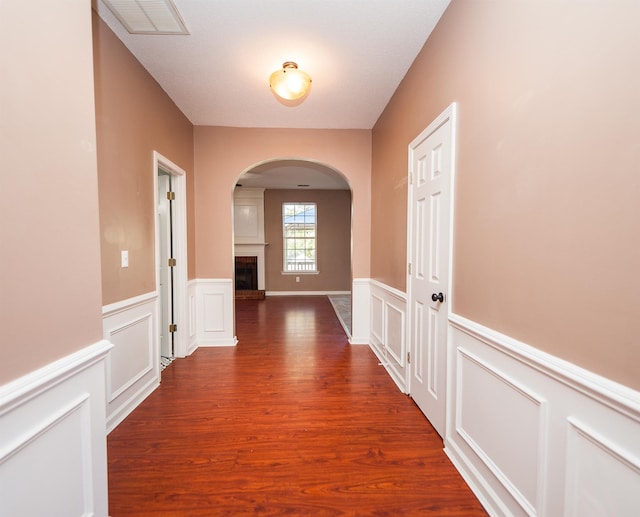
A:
[356,51]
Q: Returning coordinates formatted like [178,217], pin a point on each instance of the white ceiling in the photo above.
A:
[356,51]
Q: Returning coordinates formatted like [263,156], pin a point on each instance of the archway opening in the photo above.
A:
[308,253]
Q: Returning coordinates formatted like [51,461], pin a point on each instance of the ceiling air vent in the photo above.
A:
[148,16]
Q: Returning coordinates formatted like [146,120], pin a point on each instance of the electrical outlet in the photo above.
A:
[297,279]
[124,258]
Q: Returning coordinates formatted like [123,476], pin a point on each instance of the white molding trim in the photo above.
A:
[23,389]
[192,329]
[145,320]
[133,365]
[180,290]
[124,305]
[615,395]
[588,485]
[387,334]
[360,311]
[533,434]
[51,417]
[391,290]
[214,301]
[487,457]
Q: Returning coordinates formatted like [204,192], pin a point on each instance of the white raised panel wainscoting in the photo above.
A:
[530,433]
[133,365]
[53,457]
[535,435]
[360,314]
[192,310]
[214,299]
[388,308]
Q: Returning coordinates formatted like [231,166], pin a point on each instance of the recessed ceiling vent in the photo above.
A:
[148,16]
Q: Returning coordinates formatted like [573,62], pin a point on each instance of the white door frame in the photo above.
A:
[166,277]
[448,114]
[179,210]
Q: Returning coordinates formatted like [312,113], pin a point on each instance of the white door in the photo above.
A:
[430,208]
[166,276]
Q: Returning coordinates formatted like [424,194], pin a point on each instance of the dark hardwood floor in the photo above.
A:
[292,421]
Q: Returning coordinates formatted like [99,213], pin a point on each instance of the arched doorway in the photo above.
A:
[271,257]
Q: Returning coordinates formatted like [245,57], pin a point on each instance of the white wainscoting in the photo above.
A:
[388,308]
[360,313]
[193,316]
[536,435]
[133,365]
[214,299]
[53,458]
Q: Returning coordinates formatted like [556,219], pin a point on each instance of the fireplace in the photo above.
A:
[246,273]
[247,278]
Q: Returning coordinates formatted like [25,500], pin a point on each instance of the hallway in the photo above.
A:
[293,420]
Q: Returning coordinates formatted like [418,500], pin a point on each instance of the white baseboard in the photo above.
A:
[52,438]
[535,435]
[204,343]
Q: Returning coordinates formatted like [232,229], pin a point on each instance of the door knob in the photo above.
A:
[437,297]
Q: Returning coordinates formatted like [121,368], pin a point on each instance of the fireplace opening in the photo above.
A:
[246,273]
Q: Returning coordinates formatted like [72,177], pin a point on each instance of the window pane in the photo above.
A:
[299,236]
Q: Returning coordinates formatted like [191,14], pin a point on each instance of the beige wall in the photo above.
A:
[134,118]
[547,218]
[50,260]
[222,154]
[333,234]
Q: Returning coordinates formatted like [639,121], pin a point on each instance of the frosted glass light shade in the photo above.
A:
[289,82]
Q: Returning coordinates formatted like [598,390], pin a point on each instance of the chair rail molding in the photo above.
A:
[54,417]
[533,434]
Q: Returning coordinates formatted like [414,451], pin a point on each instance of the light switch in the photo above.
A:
[124,258]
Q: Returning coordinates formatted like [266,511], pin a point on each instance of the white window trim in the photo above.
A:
[284,241]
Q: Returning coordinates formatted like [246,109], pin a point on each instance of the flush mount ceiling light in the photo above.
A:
[289,82]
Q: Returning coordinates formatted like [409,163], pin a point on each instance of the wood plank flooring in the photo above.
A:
[292,421]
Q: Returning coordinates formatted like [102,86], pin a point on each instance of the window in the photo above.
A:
[299,236]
